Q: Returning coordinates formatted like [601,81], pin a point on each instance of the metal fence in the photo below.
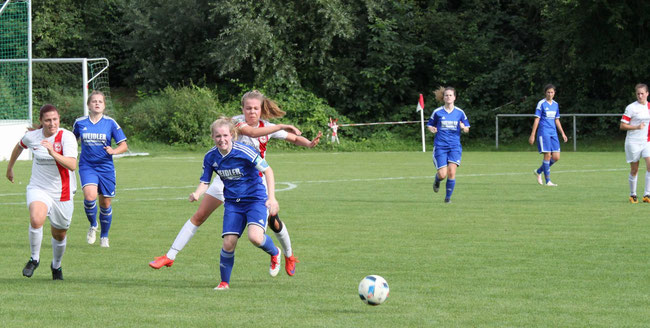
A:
[496,121]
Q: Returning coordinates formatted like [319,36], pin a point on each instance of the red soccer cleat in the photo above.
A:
[274,268]
[160,262]
[222,286]
[290,264]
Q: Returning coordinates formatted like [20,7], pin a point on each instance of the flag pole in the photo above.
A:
[421,104]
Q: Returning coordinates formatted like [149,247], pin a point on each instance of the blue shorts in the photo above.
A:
[442,156]
[548,144]
[104,180]
[237,215]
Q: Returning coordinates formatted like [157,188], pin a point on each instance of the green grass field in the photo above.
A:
[506,253]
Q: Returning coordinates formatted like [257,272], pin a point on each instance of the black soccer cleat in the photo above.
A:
[57,274]
[31,265]
[436,186]
[447,200]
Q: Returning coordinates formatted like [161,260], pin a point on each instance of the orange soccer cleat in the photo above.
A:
[161,261]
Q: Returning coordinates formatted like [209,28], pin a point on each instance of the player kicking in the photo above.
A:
[635,121]
[547,119]
[447,122]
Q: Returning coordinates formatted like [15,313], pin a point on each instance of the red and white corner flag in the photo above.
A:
[420,104]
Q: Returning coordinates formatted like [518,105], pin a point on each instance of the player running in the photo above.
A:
[547,119]
[254,130]
[96,169]
[635,121]
[447,123]
[51,186]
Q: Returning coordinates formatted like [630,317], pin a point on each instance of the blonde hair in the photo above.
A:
[224,121]
[269,108]
[440,93]
[94,93]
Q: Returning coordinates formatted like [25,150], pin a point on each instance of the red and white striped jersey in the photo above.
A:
[48,175]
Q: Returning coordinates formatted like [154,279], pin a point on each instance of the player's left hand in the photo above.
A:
[47,145]
[565,138]
[316,140]
[109,150]
[273,206]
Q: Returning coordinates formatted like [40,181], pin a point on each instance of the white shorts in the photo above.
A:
[635,151]
[60,213]
[216,189]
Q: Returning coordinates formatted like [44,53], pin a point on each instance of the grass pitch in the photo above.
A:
[506,253]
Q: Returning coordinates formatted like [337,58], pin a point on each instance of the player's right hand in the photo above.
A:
[291,129]
[531,140]
[193,197]
[641,126]
[10,175]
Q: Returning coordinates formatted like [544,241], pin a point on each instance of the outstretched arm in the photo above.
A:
[252,132]
[302,141]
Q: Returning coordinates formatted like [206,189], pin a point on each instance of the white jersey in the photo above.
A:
[635,114]
[258,143]
[48,175]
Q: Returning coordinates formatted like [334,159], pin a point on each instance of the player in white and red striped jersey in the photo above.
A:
[635,121]
[256,109]
[51,186]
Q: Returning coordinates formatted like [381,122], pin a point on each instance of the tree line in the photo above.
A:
[368,59]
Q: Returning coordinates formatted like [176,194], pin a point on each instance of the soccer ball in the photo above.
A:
[373,290]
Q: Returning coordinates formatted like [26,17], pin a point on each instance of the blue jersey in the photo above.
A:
[448,126]
[239,171]
[547,114]
[94,137]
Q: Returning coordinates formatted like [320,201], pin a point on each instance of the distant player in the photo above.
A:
[333,124]
[96,170]
[51,186]
[546,125]
[635,121]
[447,123]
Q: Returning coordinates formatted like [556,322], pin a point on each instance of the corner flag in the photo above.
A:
[420,104]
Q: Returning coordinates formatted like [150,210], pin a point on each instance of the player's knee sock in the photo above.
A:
[285,241]
[268,246]
[451,183]
[547,170]
[551,162]
[58,248]
[632,180]
[35,240]
[438,178]
[90,206]
[226,262]
[105,219]
[184,236]
[647,183]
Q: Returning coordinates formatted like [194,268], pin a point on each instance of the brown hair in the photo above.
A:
[440,93]
[45,109]
[94,93]
[549,86]
[269,108]
[641,85]
[224,121]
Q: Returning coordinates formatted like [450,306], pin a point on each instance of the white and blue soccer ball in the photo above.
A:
[373,290]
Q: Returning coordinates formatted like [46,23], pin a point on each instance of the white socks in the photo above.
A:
[58,248]
[647,183]
[632,180]
[184,236]
[35,240]
[285,241]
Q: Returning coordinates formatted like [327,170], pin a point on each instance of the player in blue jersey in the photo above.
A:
[546,125]
[96,169]
[247,201]
[447,123]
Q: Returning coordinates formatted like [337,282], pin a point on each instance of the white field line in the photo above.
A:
[294,184]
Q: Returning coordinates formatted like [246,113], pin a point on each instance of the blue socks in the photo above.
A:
[226,262]
[90,206]
[105,219]
[268,246]
[546,166]
[450,188]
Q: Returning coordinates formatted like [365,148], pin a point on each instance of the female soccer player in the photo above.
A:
[635,121]
[96,169]
[547,118]
[51,186]
[255,131]
[447,122]
[248,202]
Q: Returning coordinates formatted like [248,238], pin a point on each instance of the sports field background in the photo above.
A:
[506,253]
